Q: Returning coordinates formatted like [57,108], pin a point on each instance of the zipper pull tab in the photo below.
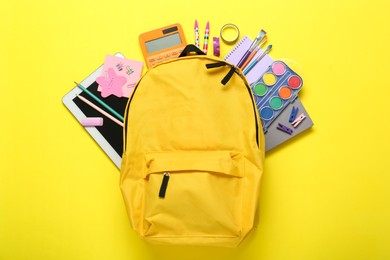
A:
[233,69]
[164,185]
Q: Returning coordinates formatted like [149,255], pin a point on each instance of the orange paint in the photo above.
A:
[285,92]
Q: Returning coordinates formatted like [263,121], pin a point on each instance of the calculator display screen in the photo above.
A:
[163,43]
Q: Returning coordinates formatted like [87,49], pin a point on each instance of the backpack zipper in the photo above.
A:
[254,112]
[164,185]
[227,78]
[126,117]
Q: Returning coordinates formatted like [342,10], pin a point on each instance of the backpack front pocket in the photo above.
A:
[193,194]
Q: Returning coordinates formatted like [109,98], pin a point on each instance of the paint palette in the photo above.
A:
[274,90]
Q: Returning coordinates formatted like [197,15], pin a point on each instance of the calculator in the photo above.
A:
[162,44]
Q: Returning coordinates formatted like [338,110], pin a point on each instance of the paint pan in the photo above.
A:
[285,92]
[274,90]
[267,113]
[278,68]
[260,89]
[269,79]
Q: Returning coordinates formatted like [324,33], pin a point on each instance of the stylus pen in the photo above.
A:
[100,102]
[100,110]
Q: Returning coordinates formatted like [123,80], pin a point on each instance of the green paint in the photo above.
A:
[260,89]
[276,103]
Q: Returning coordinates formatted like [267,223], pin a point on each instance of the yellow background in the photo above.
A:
[325,195]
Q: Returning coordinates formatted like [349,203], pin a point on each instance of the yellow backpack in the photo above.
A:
[193,153]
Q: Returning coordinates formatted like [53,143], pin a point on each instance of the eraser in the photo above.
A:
[92,121]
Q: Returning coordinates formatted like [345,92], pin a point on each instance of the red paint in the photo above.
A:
[294,82]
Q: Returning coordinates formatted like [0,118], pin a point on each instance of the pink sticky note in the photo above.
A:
[130,69]
[111,83]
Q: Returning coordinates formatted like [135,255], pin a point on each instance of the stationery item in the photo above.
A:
[100,101]
[257,59]
[109,137]
[162,44]
[238,51]
[258,38]
[294,112]
[196,28]
[206,38]
[111,84]
[275,137]
[297,121]
[277,87]
[92,121]
[284,128]
[253,53]
[235,35]
[130,70]
[86,101]
[216,46]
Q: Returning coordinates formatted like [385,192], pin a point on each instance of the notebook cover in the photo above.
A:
[275,137]
[238,51]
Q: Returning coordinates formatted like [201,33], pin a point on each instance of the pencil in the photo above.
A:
[100,110]
[100,102]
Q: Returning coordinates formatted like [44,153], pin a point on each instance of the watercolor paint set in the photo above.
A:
[274,90]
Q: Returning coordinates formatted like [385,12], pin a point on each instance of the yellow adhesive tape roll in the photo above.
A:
[230,33]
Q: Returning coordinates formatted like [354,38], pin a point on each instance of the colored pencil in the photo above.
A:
[99,110]
[100,102]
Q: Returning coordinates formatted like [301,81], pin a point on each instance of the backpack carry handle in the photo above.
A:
[190,48]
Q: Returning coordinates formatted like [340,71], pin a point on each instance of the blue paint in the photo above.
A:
[266,113]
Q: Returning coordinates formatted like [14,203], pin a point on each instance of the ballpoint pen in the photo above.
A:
[255,61]
[259,37]
[206,38]
[196,28]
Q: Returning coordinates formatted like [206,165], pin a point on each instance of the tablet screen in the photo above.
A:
[111,131]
